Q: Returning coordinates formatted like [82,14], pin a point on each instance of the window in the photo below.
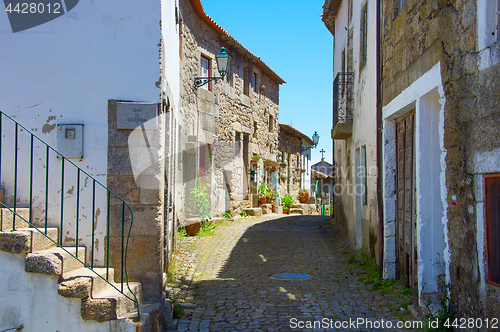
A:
[402,4]
[492,195]
[237,145]
[254,82]
[498,20]
[229,74]
[271,122]
[350,11]
[343,60]
[246,78]
[363,36]
[205,70]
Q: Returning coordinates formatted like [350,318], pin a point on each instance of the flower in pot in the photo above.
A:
[287,201]
[267,164]
[199,206]
[304,195]
[265,193]
[255,159]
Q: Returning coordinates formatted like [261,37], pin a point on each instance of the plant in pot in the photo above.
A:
[255,159]
[303,195]
[267,164]
[265,193]
[199,207]
[287,201]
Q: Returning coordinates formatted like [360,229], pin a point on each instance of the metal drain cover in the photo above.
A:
[291,276]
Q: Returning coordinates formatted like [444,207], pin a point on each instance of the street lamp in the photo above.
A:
[315,139]
[222,59]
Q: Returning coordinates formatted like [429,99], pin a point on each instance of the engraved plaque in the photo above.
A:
[134,115]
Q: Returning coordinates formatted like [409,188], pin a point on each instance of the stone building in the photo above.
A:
[294,159]
[107,113]
[440,107]
[322,179]
[223,124]
[352,24]
[440,171]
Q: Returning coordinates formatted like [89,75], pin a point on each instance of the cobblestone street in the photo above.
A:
[224,282]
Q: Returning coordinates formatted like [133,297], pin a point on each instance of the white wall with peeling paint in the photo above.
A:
[65,71]
[31,299]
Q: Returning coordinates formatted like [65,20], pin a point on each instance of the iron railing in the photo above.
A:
[342,98]
[41,159]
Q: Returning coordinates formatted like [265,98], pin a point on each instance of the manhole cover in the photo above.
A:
[291,276]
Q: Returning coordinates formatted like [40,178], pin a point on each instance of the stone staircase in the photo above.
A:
[100,301]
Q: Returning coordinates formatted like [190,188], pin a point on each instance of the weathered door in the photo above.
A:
[406,244]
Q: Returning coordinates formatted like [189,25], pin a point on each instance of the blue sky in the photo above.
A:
[289,36]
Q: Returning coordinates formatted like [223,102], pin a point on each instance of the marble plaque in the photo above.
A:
[135,115]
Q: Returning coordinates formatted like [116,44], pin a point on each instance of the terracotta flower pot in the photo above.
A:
[193,229]
[192,224]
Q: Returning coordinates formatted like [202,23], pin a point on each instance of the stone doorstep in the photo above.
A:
[27,240]
[7,217]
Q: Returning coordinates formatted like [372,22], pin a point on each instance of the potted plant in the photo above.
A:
[265,193]
[199,206]
[255,159]
[267,164]
[287,201]
[303,195]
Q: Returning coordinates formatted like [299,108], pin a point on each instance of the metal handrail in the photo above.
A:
[59,241]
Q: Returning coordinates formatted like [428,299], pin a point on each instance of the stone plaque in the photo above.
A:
[133,115]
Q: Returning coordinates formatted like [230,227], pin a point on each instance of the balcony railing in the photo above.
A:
[342,98]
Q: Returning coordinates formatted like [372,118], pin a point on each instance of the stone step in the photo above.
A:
[151,317]
[109,303]
[55,261]
[296,211]
[27,240]
[253,211]
[81,283]
[7,218]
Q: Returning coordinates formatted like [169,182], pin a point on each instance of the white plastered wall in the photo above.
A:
[31,299]
[65,71]
[426,96]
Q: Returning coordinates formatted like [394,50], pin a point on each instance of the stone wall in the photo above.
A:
[138,180]
[238,116]
[423,34]
[289,173]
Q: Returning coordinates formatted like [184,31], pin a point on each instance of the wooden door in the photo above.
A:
[406,244]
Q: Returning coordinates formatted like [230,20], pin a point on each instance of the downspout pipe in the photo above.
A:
[379,140]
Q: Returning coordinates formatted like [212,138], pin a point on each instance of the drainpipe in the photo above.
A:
[379,142]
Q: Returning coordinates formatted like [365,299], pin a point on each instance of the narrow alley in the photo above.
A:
[225,282]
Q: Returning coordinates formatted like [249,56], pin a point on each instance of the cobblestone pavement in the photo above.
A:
[224,282]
